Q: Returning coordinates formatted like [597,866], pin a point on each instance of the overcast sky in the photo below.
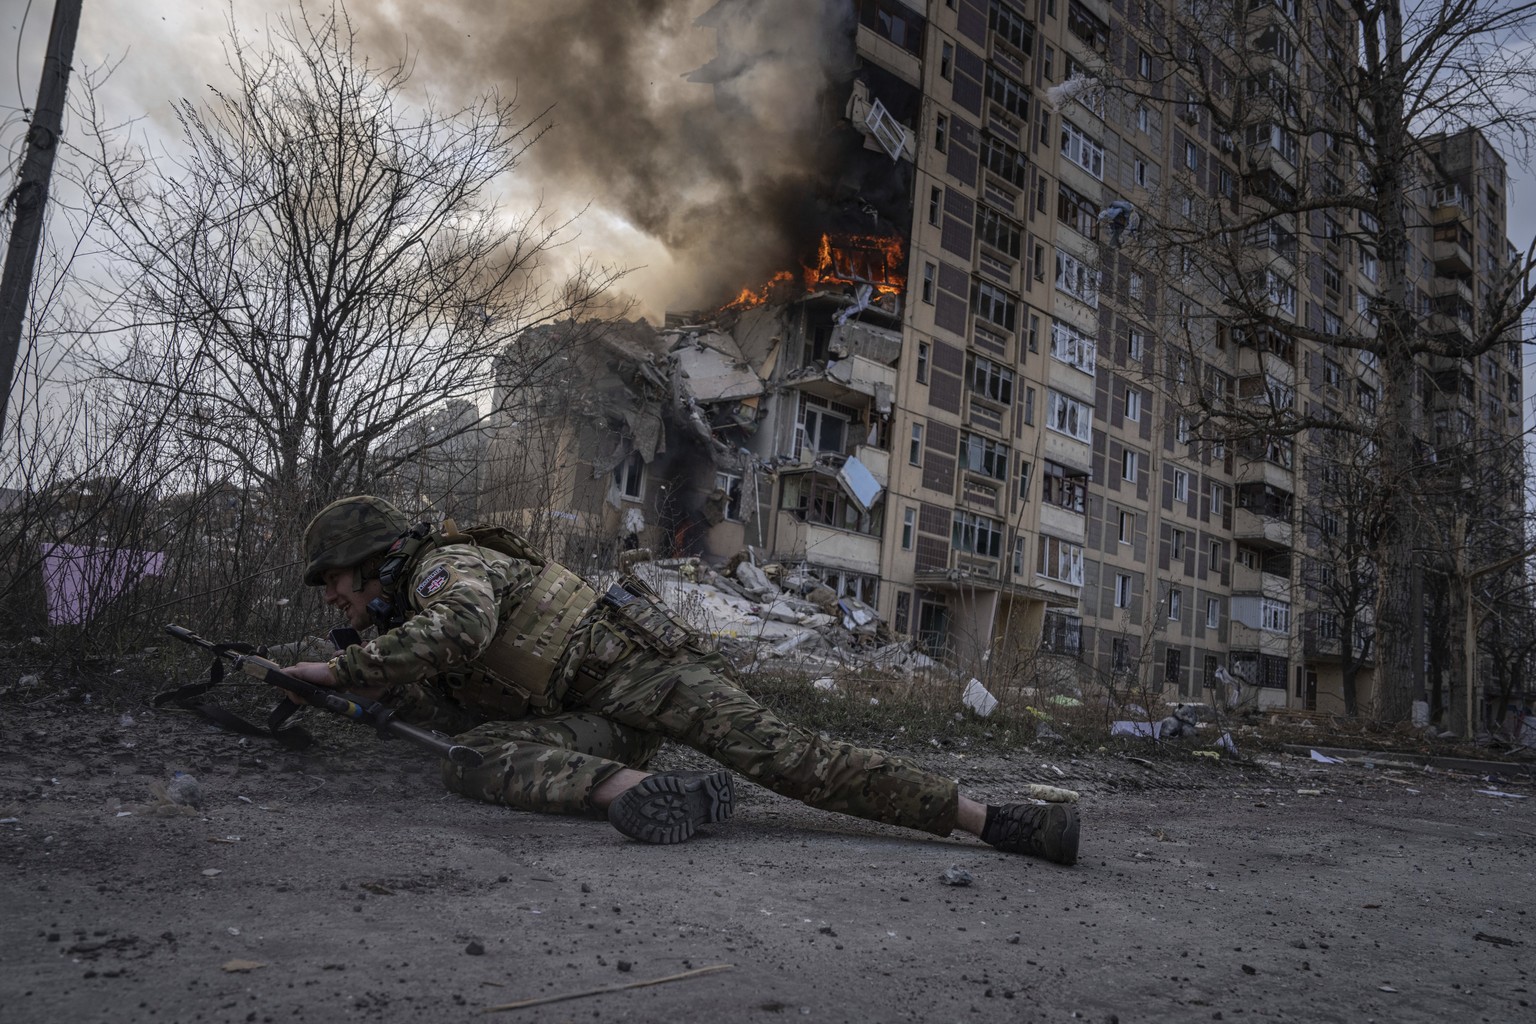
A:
[630,94]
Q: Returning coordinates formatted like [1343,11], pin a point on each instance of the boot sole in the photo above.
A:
[669,808]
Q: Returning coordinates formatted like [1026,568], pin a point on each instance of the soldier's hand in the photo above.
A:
[316,673]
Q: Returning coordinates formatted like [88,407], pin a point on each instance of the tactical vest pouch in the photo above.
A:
[637,610]
[526,651]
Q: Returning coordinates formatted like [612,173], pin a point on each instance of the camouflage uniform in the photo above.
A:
[626,674]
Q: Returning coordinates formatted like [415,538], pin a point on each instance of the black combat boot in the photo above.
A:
[668,807]
[1048,831]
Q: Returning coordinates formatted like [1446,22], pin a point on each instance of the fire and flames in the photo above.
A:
[876,260]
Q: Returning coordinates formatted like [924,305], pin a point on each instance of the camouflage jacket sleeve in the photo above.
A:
[457,593]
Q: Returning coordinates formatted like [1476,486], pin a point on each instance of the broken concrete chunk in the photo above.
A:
[755,580]
[824,598]
[780,611]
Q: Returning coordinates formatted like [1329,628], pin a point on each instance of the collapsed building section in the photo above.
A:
[765,430]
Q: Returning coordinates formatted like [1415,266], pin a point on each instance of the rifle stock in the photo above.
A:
[344,704]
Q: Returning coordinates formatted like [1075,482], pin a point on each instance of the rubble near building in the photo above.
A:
[762,430]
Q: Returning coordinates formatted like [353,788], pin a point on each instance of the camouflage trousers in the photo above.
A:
[639,696]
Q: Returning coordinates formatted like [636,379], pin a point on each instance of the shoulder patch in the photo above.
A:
[434,581]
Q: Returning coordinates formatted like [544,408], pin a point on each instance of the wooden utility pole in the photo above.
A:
[31,193]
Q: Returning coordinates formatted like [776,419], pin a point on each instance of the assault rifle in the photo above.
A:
[243,657]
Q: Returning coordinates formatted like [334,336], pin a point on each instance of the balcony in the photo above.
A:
[1271,173]
[1249,638]
[1067,450]
[1062,522]
[1246,580]
[1318,646]
[1450,207]
[841,380]
[1259,468]
[841,549]
[1451,258]
[1252,361]
[1250,527]
[1450,324]
[1454,290]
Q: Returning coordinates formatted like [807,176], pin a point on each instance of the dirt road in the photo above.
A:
[346,885]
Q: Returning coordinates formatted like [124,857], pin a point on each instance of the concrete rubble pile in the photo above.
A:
[760,614]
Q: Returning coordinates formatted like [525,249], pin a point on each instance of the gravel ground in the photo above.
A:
[344,884]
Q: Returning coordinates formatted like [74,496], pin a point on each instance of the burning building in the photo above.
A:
[967,390]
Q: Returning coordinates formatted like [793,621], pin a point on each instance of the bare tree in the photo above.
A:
[1341,516]
[323,265]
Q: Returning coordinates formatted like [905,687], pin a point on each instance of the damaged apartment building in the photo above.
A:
[963,406]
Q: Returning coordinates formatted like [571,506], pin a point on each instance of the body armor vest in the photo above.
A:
[517,671]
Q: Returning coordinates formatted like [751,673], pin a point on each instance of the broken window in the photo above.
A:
[991,381]
[930,276]
[1076,211]
[818,498]
[1069,416]
[1274,616]
[859,586]
[908,528]
[822,431]
[1087,26]
[1077,279]
[730,485]
[922,362]
[932,627]
[983,455]
[994,305]
[1063,487]
[1060,560]
[1081,149]
[998,232]
[895,21]
[976,535]
[1012,27]
[1003,160]
[629,476]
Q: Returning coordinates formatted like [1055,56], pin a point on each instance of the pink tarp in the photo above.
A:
[81,581]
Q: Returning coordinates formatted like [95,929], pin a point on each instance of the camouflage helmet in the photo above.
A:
[347,532]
